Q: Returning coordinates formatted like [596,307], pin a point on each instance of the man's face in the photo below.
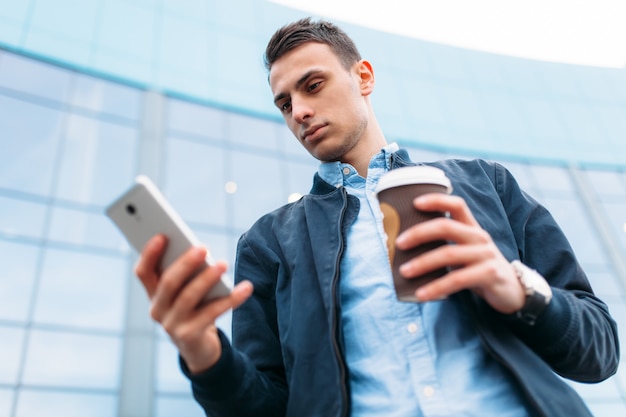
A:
[321,101]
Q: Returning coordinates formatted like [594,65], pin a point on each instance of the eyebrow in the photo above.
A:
[298,83]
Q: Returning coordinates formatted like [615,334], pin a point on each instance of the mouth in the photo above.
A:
[313,133]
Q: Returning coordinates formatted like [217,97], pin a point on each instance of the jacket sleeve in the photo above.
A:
[238,385]
[575,335]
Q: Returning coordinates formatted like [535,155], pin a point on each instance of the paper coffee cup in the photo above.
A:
[396,191]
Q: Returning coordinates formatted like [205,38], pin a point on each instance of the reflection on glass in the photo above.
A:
[60,359]
[19,265]
[83,290]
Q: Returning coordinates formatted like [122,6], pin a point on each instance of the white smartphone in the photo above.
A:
[143,212]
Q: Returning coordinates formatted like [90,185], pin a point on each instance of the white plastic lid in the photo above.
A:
[414,175]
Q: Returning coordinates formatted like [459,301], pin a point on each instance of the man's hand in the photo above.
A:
[174,301]
[477,263]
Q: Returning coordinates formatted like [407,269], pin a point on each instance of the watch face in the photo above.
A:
[533,282]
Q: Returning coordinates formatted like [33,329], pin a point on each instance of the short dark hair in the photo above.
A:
[306,30]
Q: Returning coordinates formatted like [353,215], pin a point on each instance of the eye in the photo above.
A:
[313,86]
[285,106]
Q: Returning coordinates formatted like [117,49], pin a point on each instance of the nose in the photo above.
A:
[301,111]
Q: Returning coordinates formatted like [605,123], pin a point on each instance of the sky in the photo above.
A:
[582,32]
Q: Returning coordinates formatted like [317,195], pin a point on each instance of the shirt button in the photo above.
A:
[411,328]
[346,171]
[429,391]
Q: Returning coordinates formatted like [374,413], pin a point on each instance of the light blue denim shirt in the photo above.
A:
[407,359]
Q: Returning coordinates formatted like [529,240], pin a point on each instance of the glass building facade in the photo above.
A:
[94,92]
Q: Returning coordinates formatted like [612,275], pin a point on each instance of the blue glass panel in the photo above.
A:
[83,290]
[11,350]
[185,44]
[67,18]
[127,28]
[194,181]
[27,75]
[21,218]
[67,404]
[19,266]
[59,359]
[106,97]
[424,102]
[30,138]
[98,160]
[73,51]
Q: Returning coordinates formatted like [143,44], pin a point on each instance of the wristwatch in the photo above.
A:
[538,292]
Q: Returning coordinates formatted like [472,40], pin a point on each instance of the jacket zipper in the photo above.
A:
[335,286]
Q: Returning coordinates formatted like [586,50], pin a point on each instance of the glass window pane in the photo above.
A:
[606,183]
[33,403]
[617,221]
[33,77]
[19,266]
[21,218]
[176,407]
[98,160]
[81,289]
[72,360]
[30,138]
[169,377]
[253,132]
[106,97]
[552,179]
[11,353]
[575,223]
[256,194]
[81,228]
[195,119]
[6,402]
[194,181]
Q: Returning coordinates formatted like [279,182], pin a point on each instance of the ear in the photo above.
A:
[366,74]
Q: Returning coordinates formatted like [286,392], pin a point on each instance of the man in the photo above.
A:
[316,327]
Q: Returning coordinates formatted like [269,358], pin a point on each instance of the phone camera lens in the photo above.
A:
[130,209]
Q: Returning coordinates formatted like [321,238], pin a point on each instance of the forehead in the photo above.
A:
[291,66]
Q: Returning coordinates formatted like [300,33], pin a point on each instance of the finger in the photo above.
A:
[446,256]
[455,205]
[456,280]
[206,315]
[174,278]
[146,268]
[441,228]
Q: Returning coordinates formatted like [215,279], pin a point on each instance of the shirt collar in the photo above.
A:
[335,173]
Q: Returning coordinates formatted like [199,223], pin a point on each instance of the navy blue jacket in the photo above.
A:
[288,350]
